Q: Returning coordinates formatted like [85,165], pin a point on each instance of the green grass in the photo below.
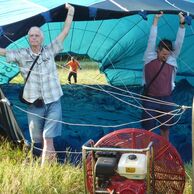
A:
[188,185]
[17,177]
[89,74]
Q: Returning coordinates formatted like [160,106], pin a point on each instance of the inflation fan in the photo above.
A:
[132,161]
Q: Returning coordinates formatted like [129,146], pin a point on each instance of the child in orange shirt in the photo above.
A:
[73,67]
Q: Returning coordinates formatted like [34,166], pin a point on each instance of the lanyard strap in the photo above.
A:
[32,67]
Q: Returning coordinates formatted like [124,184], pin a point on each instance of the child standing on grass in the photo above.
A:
[73,67]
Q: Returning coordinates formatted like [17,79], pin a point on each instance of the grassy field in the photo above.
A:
[16,177]
[89,74]
[19,177]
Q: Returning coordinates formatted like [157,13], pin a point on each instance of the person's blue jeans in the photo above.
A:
[43,121]
[148,114]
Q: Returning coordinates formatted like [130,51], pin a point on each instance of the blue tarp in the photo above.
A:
[92,113]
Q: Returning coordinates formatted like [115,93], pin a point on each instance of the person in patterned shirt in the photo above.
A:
[42,85]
